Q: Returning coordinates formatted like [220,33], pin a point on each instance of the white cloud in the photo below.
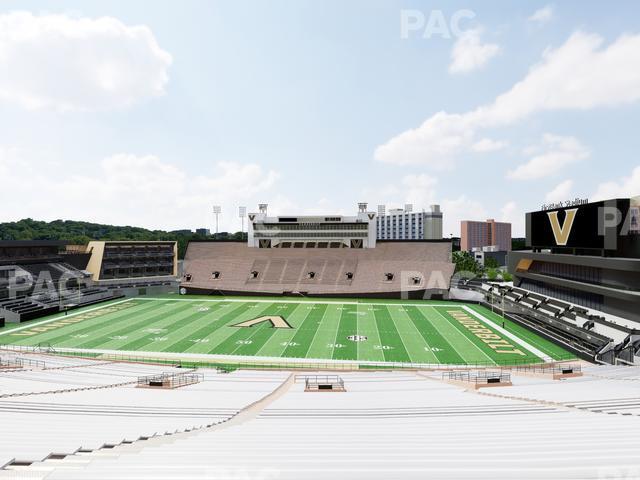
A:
[488,145]
[469,53]
[561,192]
[432,144]
[543,15]
[579,75]
[9,159]
[72,63]
[512,214]
[623,188]
[419,189]
[457,209]
[280,204]
[134,190]
[549,157]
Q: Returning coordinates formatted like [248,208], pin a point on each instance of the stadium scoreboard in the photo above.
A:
[610,226]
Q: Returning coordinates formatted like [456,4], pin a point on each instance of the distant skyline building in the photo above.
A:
[405,224]
[203,231]
[475,234]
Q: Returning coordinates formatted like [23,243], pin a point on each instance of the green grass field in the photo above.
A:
[387,331]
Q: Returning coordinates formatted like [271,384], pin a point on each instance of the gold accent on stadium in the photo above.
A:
[524,265]
[72,320]
[561,233]
[277,321]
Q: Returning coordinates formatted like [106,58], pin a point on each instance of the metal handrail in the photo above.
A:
[272,364]
[477,377]
[174,379]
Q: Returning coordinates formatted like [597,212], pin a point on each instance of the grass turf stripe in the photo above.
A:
[92,325]
[443,351]
[139,322]
[345,349]
[367,327]
[265,332]
[322,343]
[174,328]
[240,334]
[198,337]
[491,354]
[390,338]
[546,346]
[301,341]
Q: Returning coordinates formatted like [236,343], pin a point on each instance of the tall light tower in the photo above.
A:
[242,212]
[216,211]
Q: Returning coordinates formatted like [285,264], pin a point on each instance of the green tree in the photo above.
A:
[80,233]
[465,262]
[492,274]
[491,263]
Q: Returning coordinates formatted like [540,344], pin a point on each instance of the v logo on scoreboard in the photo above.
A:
[561,233]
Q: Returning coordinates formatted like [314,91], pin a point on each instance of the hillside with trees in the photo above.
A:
[80,233]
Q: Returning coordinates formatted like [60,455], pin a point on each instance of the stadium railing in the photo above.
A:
[479,377]
[21,363]
[170,380]
[554,369]
[274,364]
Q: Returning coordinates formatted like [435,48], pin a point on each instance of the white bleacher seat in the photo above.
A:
[36,424]
[392,425]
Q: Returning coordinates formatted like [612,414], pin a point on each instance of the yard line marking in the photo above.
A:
[335,337]
[61,317]
[315,334]
[417,334]
[225,335]
[311,320]
[508,334]
[467,339]
[257,331]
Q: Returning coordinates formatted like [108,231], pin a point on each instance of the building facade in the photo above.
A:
[405,224]
[483,254]
[318,231]
[125,260]
[490,233]
[321,255]
[588,255]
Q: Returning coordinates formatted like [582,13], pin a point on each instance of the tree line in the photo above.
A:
[81,233]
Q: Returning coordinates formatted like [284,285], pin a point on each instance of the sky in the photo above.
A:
[149,113]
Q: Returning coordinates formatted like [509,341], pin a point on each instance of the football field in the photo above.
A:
[365,331]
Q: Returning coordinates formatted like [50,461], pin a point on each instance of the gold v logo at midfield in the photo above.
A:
[561,233]
[276,322]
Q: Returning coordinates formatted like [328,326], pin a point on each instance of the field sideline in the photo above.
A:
[356,330]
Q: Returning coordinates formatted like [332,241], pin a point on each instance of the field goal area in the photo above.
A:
[276,330]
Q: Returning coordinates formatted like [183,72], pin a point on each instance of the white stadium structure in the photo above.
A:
[66,418]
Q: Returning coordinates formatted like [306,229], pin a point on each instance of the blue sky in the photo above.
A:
[150,113]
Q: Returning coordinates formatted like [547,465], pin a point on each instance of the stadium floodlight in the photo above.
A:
[408,207]
[217,210]
[242,212]
[382,210]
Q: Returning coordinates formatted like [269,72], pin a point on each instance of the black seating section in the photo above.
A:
[27,309]
[51,279]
